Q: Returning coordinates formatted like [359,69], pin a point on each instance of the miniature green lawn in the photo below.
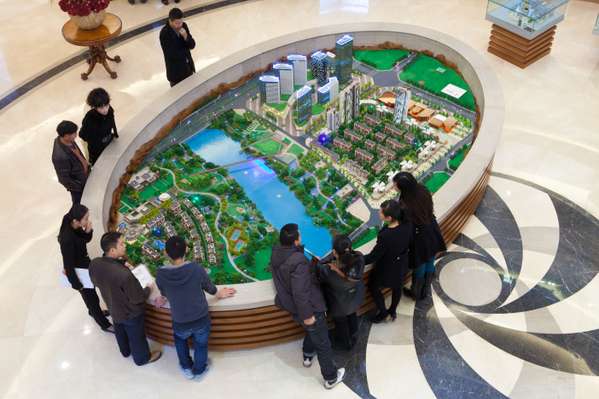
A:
[431,75]
[383,60]
[296,150]
[435,182]
[365,237]
[317,109]
[457,160]
[278,106]
[268,147]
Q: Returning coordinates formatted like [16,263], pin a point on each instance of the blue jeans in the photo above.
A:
[426,267]
[131,338]
[199,336]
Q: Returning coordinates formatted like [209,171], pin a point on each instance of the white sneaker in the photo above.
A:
[200,377]
[187,373]
[332,383]
[308,361]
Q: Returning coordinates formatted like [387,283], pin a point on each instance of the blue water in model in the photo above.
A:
[273,198]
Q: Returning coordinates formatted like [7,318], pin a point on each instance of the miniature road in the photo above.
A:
[217,198]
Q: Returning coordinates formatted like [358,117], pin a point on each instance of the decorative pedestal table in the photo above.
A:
[523,30]
[96,40]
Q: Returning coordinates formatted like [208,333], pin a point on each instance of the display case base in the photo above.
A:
[518,50]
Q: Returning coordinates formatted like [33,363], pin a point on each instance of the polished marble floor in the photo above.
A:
[516,307]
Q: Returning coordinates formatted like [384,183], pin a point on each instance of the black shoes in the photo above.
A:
[379,317]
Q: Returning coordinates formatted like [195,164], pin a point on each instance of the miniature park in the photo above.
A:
[314,141]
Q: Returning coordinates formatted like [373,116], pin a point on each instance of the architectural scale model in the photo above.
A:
[315,140]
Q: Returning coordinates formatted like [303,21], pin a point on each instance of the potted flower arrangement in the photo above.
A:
[87,14]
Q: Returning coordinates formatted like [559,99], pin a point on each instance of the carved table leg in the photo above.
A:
[98,55]
[92,60]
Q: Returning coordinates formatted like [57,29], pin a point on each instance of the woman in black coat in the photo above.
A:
[75,232]
[341,277]
[98,127]
[390,259]
[417,203]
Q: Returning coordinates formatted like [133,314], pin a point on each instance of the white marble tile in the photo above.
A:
[495,366]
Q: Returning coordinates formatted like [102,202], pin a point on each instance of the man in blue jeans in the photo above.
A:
[183,284]
[124,297]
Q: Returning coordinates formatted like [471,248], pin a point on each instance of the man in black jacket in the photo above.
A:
[176,42]
[71,166]
[124,297]
[298,292]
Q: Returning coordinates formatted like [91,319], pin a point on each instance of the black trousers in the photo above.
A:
[379,299]
[131,338]
[346,328]
[90,297]
[76,196]
[317,343]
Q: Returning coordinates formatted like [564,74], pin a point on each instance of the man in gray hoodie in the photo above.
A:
[183,284]
[298,292]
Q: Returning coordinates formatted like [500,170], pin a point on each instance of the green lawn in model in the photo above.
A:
[383,60]
[431,75]
[259,268]
[162,185]
[437,180]
[365,237]
[296,150]
[458,158]
[317,109]
[268,147]
[278,106]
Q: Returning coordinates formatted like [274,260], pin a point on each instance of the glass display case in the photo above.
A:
[527,18]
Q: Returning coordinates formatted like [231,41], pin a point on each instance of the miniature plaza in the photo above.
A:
[315,140]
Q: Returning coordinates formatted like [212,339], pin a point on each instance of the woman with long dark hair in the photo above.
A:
[390,259]
[75,232]
[341,277]
[417,202]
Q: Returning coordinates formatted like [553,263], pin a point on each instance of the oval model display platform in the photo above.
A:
[250,319]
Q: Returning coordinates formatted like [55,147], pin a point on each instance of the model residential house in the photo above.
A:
[364,156]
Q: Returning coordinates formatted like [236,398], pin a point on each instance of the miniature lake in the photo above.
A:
[273,198]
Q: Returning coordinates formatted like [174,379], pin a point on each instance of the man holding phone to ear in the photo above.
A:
[176,42]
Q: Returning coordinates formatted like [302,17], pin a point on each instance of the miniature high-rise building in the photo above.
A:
[270,90]
[331,63]
[304,104]
[285,74]
[401,105]
[324,94]
[334,82]
[344,49]
[332,119]
[318,63]
[300,68]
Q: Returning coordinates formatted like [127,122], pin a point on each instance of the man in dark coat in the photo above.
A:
[298,292]
[69,162]
[124,297]
[176,42]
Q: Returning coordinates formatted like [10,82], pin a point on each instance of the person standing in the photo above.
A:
[417,203]
[69,162]
[176,42]
[183,284]
[298,292]
[124,297]
[75,232]
[390,257]
[341,277]
[98,127]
